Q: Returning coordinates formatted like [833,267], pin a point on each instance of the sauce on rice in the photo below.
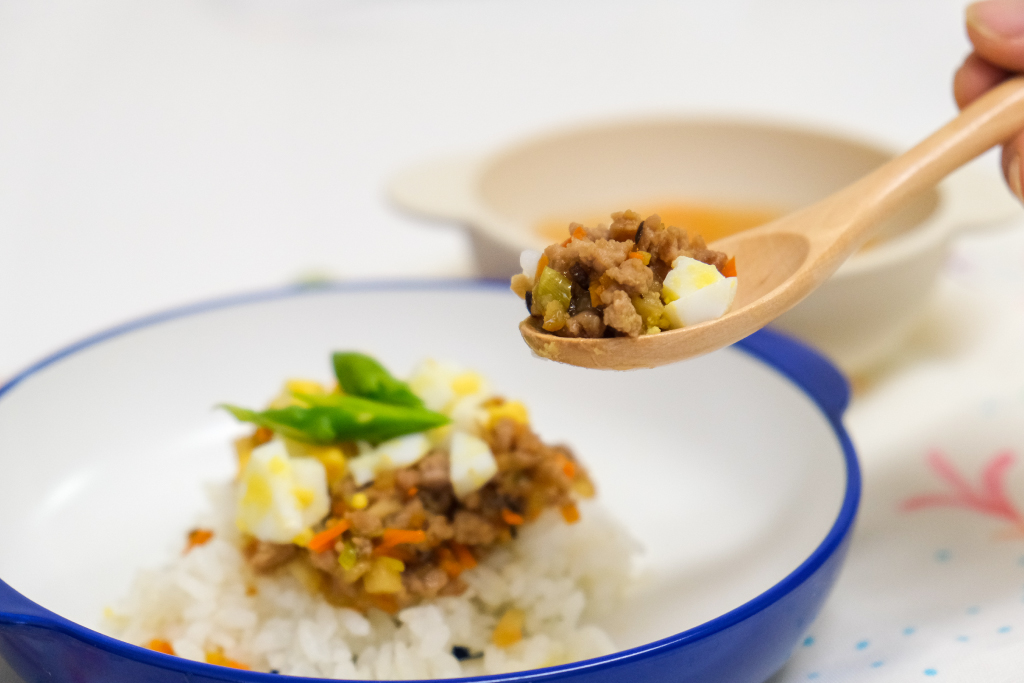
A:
[407,534]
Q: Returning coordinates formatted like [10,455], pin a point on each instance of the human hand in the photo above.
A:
[996,29]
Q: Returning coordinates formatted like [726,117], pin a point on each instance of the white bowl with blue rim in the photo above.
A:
[733,471]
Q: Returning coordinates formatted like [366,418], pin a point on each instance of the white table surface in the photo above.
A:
[155,154]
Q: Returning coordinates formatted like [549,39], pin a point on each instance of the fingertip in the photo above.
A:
[996,28]
[974,77]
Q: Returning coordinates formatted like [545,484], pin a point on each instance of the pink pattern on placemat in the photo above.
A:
[990,498]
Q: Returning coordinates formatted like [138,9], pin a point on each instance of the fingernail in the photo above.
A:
[1013,176]
[997,18]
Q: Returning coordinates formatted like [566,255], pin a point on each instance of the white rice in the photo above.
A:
[562,576]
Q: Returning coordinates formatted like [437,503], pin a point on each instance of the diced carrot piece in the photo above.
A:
[643,256]
[595,294]
[197,537]
[463,555]
[385,602]
[448,562]
[541,265]
[570,513]
[511,518]
[567,466]
[393,537]
[219,659]
[579,233]
[160,646]
[729,269]
[412,492]
[262,436]
[326,538]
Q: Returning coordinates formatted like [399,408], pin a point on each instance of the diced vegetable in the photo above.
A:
[511,409]
[348,556]
[198,537]
[570,513]
[511,518]
[729,269]
[509,630]
[393,537]
[451,566]
[361,375]
[541,265]
[568,467]
[160,646]
[464,555]
[642,256]
[555,317]
[326,538]
[332,418]
[217,657]
[552,286]
[651,309]
[385,576]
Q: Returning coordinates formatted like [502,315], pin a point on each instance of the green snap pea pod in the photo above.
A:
[333,418]
[361,375]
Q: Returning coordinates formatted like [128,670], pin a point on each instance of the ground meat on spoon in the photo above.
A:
[607,280]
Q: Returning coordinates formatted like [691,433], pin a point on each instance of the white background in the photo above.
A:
[158,153]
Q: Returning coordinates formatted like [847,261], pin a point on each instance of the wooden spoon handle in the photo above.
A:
[992,119]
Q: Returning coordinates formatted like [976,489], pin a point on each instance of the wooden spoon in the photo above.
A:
[780,263]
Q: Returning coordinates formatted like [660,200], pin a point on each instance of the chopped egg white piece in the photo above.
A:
[453,391]
[695,292]
[528,261]
[280,497]
[390,455]
[471,463]
[468,414]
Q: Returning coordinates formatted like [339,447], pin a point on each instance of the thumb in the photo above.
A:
[996,27]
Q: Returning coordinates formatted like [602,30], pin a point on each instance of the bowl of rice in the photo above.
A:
[724,493]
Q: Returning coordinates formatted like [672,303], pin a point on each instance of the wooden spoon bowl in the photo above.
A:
[780,263]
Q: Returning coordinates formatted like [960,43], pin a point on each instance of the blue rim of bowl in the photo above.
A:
[804,367]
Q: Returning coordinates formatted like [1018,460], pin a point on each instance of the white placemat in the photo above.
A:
[933,588]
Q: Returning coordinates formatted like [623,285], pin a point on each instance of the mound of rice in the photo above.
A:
[562,576]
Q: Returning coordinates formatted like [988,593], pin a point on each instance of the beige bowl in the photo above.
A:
[856,317]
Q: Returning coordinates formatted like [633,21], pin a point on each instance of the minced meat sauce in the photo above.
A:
[606,281]
[406,535]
